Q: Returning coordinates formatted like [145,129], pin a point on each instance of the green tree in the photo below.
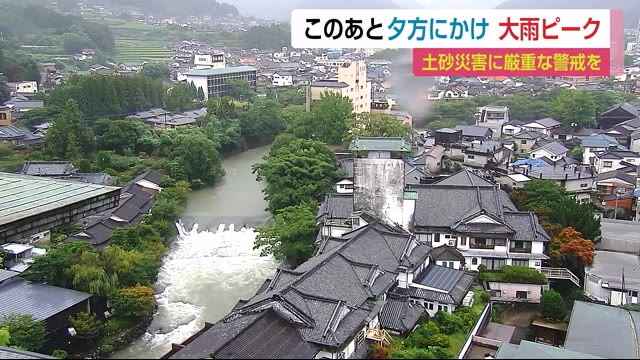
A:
[51,268]
[552,305]
[87,326]
[4,336]
[261,122]
[74,43]
[69,137]
[181,98]
[328,120]
[292,235]
[239,89]
[413,353]
[26,332]
[574,107]
[269,37]
[299,172]
[5,94]
[568,212]
[90,276]
[376,125]
[199,155]
[134,302]
[156,71]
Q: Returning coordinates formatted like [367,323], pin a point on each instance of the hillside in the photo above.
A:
[631,8]
[266,9]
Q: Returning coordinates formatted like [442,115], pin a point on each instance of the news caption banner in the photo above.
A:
[498,42]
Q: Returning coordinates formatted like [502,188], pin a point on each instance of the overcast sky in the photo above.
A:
[457,4]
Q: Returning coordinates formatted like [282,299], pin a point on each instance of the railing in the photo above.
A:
[482,246]
[561,274]
[379,335]
[520,250]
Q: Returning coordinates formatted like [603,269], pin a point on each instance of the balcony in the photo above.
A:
[482,246]
[520,250]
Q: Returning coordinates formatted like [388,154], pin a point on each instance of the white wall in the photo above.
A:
[475,160]
[508,290]
[456,264]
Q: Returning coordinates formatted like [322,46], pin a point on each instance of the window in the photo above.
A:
[463,240]
[441,308]
[521,294]
[3,116]
[584,185]
[474,261]
[451,264]
[523,142]
[633,293]
[470,157]
[631,160]
[607,164]
[493,264]
[500,242]
[519,262]
[430,306]
[437,238]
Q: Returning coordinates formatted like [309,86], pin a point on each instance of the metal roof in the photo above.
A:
[10,353]
[603,331]
[379,144]
[440,277]
[38,300]
[532,350]
[23,196]
[221,71]
[6,274]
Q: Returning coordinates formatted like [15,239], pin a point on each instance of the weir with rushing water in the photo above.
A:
[212,263]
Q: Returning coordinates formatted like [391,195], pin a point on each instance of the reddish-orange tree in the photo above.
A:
[569,246]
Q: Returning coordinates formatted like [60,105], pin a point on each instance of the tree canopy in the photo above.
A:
[24,332]
[376,125]
[69,138]
[328,120]
[552,305]
[270,37]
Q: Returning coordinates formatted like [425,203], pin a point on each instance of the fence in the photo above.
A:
[485,316]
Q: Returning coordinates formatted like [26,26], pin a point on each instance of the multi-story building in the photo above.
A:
[23,87]
[597,143]
[493,117]
[209,61]
[610,160]
[351,82]
[212,81]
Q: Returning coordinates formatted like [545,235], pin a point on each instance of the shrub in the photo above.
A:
[25,332]
[134,302]
[379,352]
[87,326]
[515,274]
[420,338]
[552,305]
[106,348]
[60,354]
[114,326]
[413,353]
[485,297]
[496,312]
[448,323]
[442,353]
[440,340]
[468,317]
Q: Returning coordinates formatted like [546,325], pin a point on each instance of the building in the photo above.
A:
[484,153]
[472,133]
[209,61]
[574,179]
[23,87]
[480,221]
[618,181]
[509,292]
[51,304]
[18,138]
[18,257]
[45,203]
[545,125]
[617,114]
[447,136]
[613,278]
[212,81]
[11,353]
[525,140]
[613,159]
[492,117]
[282,78]
[590,145]
[48,168]
[553,151]
[6,116]
[351,82]
[512,127]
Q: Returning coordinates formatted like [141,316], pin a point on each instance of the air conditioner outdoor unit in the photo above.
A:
[452,243]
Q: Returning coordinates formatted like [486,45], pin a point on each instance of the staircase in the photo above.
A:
[560,274]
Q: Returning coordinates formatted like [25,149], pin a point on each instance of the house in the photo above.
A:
[492,117]
[404,117]
[553,151]
[6,116]
[575,179]
[98,69]
[448,256]
[483,153]
[468,212]
[512,127]
[50,304]
[545,125]
[18,138]
[447,136]
[513,181]
[131,66]
[48,168]
[18,257]
[20,104]
[596,143]
[509,292]
[525,140]
[433,159]
[472,133]
[618,181]
[23,87]
[617,114]
[282,78]
[613,159]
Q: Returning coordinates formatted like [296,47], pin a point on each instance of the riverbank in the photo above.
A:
[212,263]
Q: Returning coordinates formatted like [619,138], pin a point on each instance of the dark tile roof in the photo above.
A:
[529,135]
[91,178]
[454,296]
[48,168]
[38,300]
[10,132]
[6,275]
[336,206]
[446,253]
[399,314]
[464,177]
[10,353]
[329,83]
[474,131]
[630,178]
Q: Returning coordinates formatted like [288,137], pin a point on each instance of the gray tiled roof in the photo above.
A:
[8,132]
[6,274]
[598,141]
[38,300]
[474,131]
[400,314]
[446,253]
[336,206]
[555,148]
[439,277]
[548,122]
[10,353]
[464,177]
[48,168]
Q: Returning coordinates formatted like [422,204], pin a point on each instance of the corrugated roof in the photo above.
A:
[221,71]
[9,353]
[532,350]
[440,277]
[379,144]
[23,196]
[38,300]
[6,274]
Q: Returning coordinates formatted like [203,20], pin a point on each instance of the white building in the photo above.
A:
[545,126]
[351,82]
[610,160]
[597,143]
[282,78]
[604,278]
[493,117]
[209,61]
[23,87]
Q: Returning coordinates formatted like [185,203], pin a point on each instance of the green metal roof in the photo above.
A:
[379,144]
[220,71]
[22,196]
[411,195]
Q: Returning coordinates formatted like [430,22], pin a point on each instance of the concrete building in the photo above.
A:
[351,82]
[23,87]
[597,143]
[492,117]
[212,81]
[30,205]
[507,292]
[614,278]
[209,61]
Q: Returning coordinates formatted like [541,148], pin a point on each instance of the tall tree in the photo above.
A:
[292,235]
[574,107]
[327,121]
[69,137]
[552,305]
[25,332]
[376,125]
[239,89]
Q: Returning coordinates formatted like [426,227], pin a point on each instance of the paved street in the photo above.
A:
[620,235]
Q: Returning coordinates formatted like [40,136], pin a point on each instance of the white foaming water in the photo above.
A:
[203,275]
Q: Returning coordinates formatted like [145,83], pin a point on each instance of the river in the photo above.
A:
[212,264]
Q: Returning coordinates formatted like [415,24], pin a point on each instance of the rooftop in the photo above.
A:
[531,350]
[379,144]
[221,71]
[39,300]
[330,83]
[609,265]
[11,353]
[22,196]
